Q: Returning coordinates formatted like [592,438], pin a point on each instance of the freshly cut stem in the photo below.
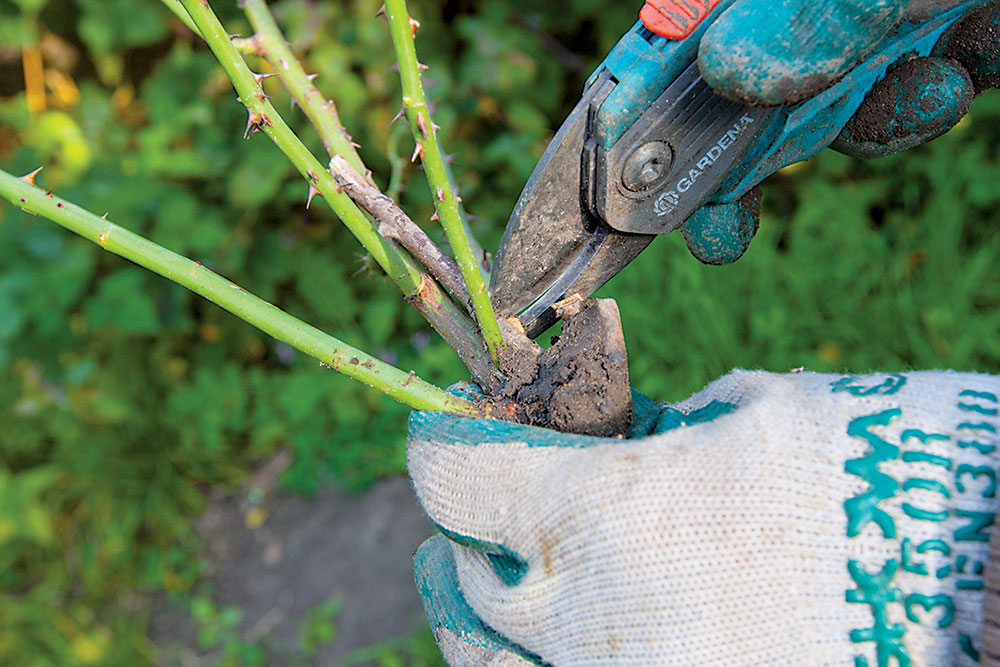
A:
[352,362]
[446,203]
[322,113]
[394,261]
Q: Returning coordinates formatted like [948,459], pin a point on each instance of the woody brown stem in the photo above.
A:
[393,223]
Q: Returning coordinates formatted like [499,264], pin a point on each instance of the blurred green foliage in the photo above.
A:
[122,397]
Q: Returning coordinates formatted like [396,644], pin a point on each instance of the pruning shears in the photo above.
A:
[650,142]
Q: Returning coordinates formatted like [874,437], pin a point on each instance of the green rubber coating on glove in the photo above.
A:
[720,233]
[509,567]
[671,418]
[446,607]
[768,52]
[645,412]
[915,102]
[448,428]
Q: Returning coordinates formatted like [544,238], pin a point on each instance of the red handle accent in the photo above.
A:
[675,19]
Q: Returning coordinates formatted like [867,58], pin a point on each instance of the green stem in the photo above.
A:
[404,387]
[181,13]
[402,28]
[394,261]
[322,113]
[263,117]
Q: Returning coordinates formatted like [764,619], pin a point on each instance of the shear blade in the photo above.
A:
[551,227]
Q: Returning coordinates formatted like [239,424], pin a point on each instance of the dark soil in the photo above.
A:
[884,124]
[580,384]
[975,42]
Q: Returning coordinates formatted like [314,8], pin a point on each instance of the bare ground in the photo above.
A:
[356,548]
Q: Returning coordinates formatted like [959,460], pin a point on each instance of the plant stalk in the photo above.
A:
[322,113]
[352,362]
[393,223]
[264,118]
[181,13]
[394,261]
[446,203]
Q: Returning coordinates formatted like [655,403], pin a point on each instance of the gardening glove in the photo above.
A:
[769,52]
[802,519]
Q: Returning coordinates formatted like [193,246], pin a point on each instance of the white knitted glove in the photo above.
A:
[800,519]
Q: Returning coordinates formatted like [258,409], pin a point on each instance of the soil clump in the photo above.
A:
[579,384]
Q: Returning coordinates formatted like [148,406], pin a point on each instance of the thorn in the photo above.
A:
[440,194]
[365,261]
[435,218]
[402,112]
[422,67]
[414,24]
[49,194]
[312,77]
[417,150]
[29,178]
[105,216]
[381,12]
[368,175]
[355,144]
[259,78]
[59,204]
[265,120]
[261,96]
[449,158]
[253,125]
[435,125]
[313,191]
[234,35]
[422,125]
[239,99]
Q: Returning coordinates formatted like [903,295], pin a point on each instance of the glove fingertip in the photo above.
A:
[768,52]
[974,41]
[720,233]
[917,101]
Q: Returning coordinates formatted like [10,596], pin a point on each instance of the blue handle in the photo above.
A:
[804,129]
[645,64]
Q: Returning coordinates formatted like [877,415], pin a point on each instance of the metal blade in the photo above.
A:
[551,226]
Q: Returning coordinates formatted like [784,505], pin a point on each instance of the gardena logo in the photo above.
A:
[667,202]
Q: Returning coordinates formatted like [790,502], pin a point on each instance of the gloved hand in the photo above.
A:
[769,52]
[802,519]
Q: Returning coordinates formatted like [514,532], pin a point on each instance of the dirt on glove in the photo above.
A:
[578,385]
